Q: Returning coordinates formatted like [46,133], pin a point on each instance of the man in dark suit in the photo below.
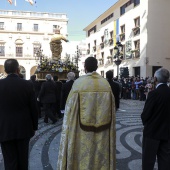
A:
[59,85]
[48,97]
[18,117]
[114,86]
[37,87]
[156,121]
[66,89]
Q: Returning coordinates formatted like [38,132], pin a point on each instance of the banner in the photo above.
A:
[116,31]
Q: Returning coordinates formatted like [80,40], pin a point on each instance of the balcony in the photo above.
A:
[88,51]
[94,48]
[110,41]
[101,62]
[136,30]
[136,53]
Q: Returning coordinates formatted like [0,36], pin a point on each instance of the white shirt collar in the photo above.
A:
[160,84]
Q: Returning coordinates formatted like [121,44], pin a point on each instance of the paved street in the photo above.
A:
[44,146]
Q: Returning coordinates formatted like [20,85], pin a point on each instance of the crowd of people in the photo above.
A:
[89,104]
[135,88]
[51,96]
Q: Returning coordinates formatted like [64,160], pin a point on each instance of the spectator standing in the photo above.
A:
[66,89]
[137,83]
[148,87]
[115,87]
[18,117]
[125,89]
[88,133]
[37,88]
[48,96]
[156,121]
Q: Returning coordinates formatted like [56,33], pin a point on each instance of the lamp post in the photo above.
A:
[77,57]
[118,56]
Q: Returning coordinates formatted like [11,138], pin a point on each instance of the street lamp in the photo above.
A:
[77,57]
[118,55]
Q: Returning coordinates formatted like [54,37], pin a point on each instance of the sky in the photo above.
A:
[79,12]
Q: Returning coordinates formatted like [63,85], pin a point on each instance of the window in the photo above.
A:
[137,44]
[19,50]
[136,2]
[54,28]
[94,47]
[122,8]
[2,49]
[122,29]
[111,52]
[102,73]
[122,35]
[137,49]
[111,34]
[107,18]
[95,42]
[88,45]
[102,61]
[102,38]
[35,27]
[88,50]
[19,26]
[92,30]
[137,22]
[102,43]
[1,25]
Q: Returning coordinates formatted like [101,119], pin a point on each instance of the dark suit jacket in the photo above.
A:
[48,92]
[18,112]
[156,114]
[65,92]
[37,87]
[116,91]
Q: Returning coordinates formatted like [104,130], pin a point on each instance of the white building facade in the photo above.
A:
[143,31]
[22,33]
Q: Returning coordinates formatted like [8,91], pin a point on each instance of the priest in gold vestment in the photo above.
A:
[88,138]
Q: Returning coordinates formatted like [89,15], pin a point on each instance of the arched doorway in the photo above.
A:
[23,71]
[33,69]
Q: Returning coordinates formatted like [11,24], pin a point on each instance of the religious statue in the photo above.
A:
[56,44]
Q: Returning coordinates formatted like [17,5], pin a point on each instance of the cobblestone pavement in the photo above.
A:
[44,145]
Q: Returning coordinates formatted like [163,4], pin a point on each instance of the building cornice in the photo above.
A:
[33,15]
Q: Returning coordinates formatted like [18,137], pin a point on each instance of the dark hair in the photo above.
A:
[55,78]
[109,75]
[11,66]
[91,64]
[33,77]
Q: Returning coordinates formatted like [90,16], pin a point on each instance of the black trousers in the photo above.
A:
[15,153]
[49,109]
[155,148]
